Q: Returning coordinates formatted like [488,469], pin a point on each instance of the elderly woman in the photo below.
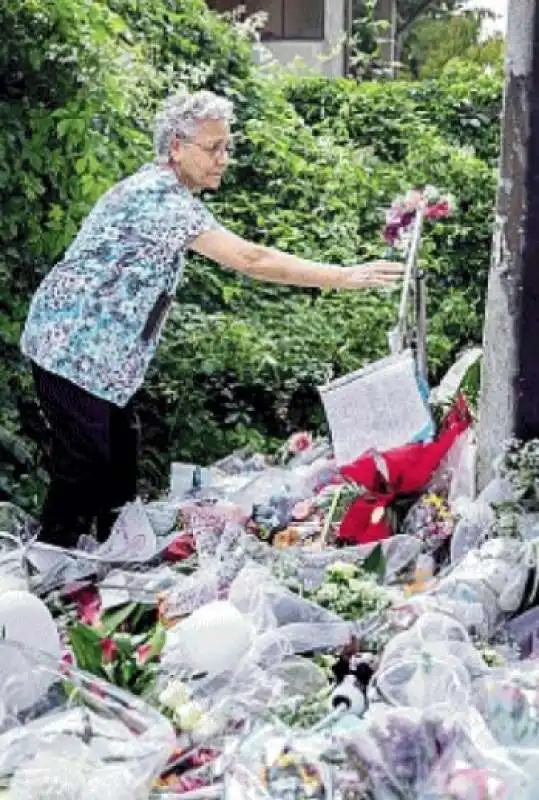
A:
[95,321]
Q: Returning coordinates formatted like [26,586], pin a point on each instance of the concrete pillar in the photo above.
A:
[387,10]
[509,402]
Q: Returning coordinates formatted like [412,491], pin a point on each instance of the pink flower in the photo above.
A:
[413,199]
[302,510]
[88,604]
[438,210]
[300,442]
[67,661]
[476,783]
[109,648]
[203,756]
[143,654]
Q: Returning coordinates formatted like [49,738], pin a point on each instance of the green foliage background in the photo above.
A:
[316,163]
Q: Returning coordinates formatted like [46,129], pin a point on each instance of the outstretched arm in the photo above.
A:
[274,266]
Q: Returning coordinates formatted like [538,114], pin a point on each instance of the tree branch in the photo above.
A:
[420,9]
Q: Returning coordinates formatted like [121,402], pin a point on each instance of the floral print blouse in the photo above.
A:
[97,316]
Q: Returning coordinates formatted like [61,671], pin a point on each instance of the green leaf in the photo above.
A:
[125,644]
[375,563]
[127,670]
[157,641]
[111,620]
[138,616]
[63,127]
[86,645]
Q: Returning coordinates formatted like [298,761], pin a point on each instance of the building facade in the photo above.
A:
[312,32]
[315,32]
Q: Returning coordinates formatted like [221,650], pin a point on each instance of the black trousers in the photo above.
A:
[93,460]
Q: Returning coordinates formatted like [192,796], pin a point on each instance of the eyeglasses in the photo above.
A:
[215,150]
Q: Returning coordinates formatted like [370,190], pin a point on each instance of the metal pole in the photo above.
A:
[509,403]
[421,324]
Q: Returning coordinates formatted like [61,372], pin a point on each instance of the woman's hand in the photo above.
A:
[373,275]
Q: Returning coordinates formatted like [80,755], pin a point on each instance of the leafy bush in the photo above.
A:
[382,116]
[464,105]
[468,102]
[71,117]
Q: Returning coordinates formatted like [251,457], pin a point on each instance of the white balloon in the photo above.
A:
[12,583]
[214,638]
[25,619]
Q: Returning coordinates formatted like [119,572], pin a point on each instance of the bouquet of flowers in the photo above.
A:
[400,216]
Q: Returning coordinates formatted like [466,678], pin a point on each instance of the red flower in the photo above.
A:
[366,521]
[109,648]
[182,547]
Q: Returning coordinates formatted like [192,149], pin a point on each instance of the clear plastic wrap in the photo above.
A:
[282,622]
[12,572]
[110,737]
[475,520]
[400,553]
[133,542]
[435,721]
[475,766]
[272,763]
[438,636]
[397,749]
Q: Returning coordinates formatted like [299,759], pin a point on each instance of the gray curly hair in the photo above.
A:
[179,115]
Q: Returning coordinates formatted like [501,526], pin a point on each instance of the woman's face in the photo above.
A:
[201,160]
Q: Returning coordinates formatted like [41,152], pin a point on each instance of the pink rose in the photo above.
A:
[300,442]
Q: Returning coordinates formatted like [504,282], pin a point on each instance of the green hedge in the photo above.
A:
[463,104]
[240,361]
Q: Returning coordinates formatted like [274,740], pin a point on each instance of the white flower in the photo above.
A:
[210,725]
[328,592]
[431,194]
[342,570]
[175,695]
[451,202]
[188,716]
[187,712]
